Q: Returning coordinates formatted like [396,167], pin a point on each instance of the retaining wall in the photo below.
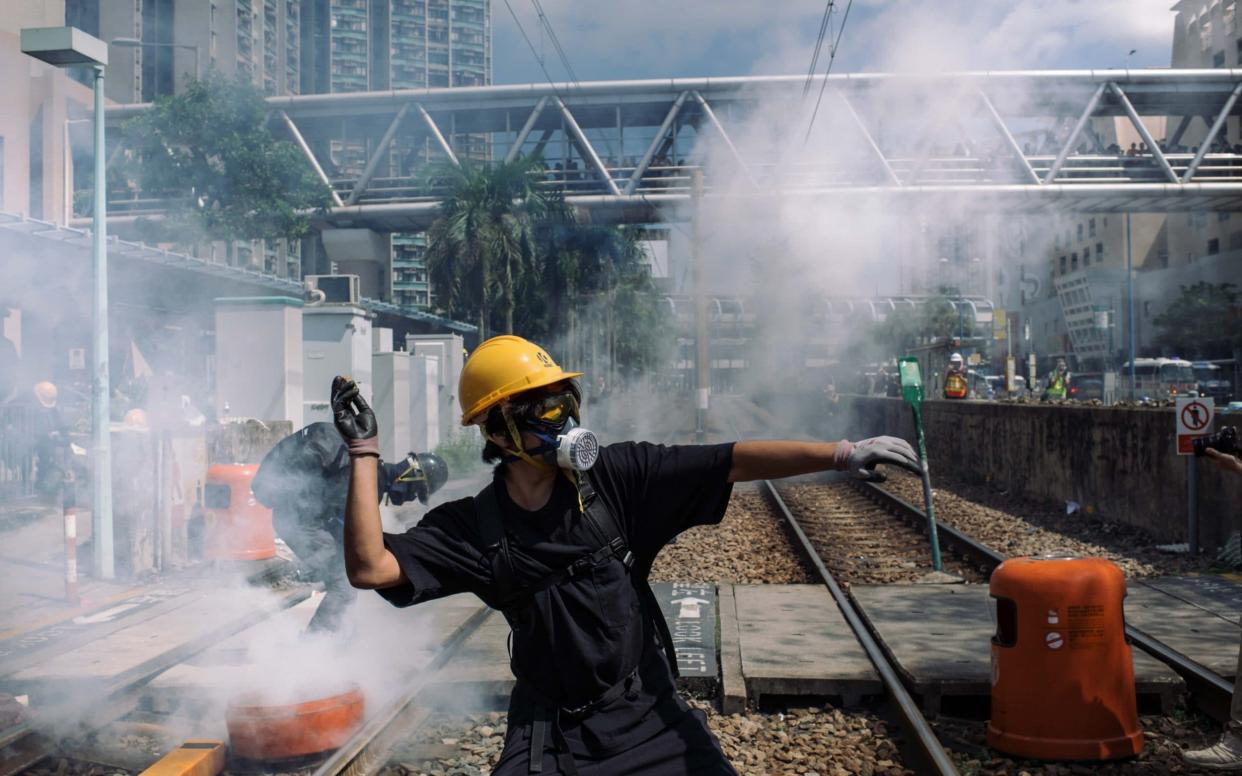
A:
[1120,462]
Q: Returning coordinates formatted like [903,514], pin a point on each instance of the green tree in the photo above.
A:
[937,318]
[1202,322]
[480,247]
[209,151]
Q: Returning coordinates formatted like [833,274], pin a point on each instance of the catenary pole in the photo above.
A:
[702,368]
[101,501]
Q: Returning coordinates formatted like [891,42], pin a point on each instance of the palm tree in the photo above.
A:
[481,244]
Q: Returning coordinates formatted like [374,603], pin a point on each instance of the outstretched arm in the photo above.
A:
[763,460]
[368,563]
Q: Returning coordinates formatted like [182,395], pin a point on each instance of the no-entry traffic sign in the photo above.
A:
[1194,419]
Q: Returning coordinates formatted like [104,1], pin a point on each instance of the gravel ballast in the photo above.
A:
[748,547]
[822,741]
[1014,527]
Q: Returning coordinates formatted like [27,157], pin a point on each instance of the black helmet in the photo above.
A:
[436,469]
[418,475]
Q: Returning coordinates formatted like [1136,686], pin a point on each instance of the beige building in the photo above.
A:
[44,107]
[1207,33]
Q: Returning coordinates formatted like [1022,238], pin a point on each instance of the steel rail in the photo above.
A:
[1212,692]
[367,752]
[935,759]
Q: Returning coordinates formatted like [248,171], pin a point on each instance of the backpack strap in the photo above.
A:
[601,520]
[496,543]
[612,543]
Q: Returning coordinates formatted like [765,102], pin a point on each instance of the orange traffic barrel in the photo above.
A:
[264,730]
[1062,672]
[236,525]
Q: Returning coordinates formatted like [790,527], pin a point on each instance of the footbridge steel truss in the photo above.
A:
[625,150]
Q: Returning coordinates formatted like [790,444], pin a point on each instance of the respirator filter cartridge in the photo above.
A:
[577,449]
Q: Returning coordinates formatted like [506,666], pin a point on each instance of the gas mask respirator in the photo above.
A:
[554,421]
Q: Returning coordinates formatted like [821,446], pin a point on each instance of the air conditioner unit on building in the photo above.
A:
[337,289]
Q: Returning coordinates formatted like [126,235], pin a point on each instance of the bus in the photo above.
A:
[1160,378]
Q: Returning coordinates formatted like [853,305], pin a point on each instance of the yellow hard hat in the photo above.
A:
[502,367]
[46,393]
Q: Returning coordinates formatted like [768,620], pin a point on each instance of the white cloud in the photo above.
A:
[638,38]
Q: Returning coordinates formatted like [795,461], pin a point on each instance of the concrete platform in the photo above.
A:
[794,641]
[939,636]
[478,678]
[1194,618]
[163,634]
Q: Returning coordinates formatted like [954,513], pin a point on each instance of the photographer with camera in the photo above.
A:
[1226,754]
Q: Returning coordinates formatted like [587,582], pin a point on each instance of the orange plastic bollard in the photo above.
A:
[236,525]
[1062,672]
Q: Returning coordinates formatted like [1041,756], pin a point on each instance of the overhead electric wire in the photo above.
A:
[556,43]
[832,57]
[545,24]
[819,45]
[531,46]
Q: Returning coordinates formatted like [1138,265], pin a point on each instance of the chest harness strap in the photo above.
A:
[611,544]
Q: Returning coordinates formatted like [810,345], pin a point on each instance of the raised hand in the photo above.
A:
[353,418]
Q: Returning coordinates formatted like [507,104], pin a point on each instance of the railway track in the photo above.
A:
[930,755]
[368,751]
[1211,691]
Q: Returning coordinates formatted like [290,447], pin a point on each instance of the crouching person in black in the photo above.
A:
[561,542]
[304,480]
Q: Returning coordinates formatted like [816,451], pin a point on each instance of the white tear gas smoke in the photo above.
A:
[784,229]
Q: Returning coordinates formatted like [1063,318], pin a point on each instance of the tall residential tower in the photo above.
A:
[305,47]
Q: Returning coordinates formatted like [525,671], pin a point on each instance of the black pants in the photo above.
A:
[323,557]
[686,746]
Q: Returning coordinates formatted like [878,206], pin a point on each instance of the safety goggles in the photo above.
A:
[550,412]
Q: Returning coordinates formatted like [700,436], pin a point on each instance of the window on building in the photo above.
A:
[1213,246]
[1064,265]
[1074,262]
[1222,215]
[1218,59]
[1099,251]
[1080,231]
[1091,228]
[1086,256]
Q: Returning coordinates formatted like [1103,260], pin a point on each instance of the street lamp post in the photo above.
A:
[135,43]
[70,47]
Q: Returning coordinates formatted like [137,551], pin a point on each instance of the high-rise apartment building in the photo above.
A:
[306,47]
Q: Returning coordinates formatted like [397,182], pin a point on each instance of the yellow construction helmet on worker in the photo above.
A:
[500,391]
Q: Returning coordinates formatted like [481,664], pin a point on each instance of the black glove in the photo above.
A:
[353,418]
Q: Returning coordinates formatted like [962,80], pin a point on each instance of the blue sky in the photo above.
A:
[634,39]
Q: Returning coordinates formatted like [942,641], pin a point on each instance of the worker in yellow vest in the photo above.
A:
[1058,382]
[955,383]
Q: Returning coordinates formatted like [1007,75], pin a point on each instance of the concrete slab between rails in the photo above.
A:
[732,681]
[1213,593]
[939,637]
[1203,630]
[794,641]
[384,645]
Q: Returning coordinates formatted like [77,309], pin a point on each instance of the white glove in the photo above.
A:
[862,457]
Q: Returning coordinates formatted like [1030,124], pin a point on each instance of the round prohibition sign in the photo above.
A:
[1195,416]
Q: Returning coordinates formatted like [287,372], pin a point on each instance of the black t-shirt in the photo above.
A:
[576,640]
